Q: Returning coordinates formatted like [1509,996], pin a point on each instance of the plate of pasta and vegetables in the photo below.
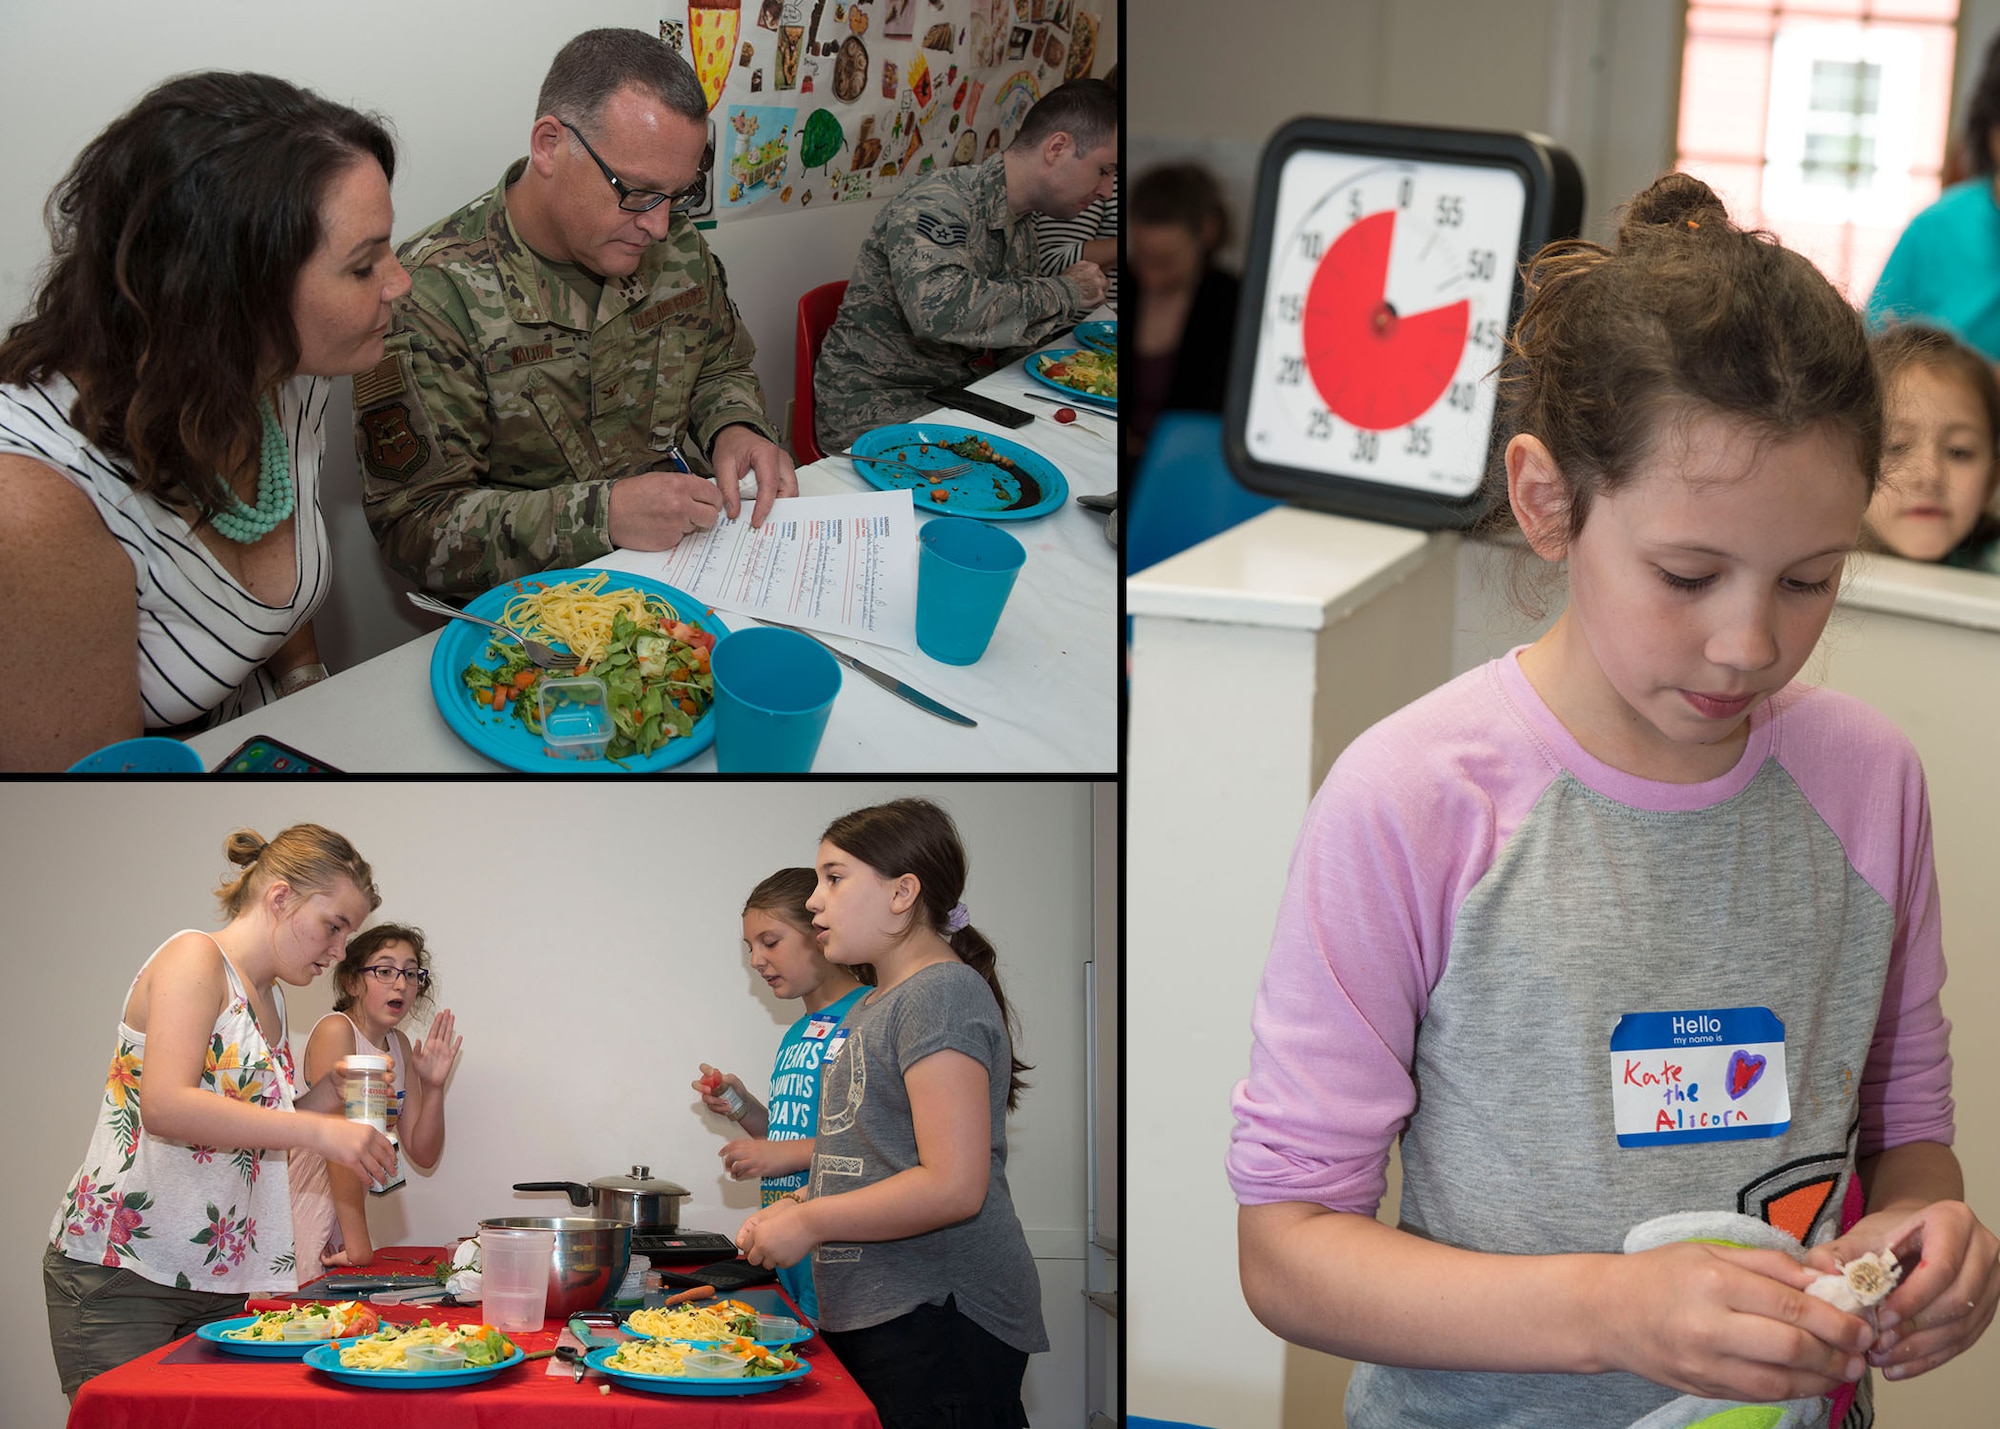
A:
[648,641]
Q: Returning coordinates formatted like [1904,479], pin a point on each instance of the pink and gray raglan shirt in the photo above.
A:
[1584,999]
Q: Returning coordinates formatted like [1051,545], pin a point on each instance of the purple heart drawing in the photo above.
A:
[1744,1070]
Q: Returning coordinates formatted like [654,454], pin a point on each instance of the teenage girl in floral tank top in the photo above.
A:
[180,1208]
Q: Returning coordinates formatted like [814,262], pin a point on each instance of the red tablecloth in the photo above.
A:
[190,1383]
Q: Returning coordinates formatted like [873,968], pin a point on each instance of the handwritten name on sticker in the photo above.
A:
[1662,1061]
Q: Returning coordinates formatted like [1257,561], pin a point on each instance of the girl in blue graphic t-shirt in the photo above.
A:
[779,1146]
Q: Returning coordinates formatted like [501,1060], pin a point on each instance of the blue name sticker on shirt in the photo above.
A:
[820,1026]
[833,1047]
[1714,1075]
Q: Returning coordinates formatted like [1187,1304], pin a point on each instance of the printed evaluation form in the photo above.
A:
[840,565]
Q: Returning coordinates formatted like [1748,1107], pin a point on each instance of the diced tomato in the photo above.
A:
[681,631]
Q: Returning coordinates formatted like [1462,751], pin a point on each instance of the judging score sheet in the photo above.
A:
[840,565]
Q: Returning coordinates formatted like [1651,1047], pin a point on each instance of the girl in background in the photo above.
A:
[1506,893]
[778,1146]
[180,1210]
[927,1290]
[1940,453]
[384,976]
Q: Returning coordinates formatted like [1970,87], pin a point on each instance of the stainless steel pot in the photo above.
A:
[589,1261]
[636,1200]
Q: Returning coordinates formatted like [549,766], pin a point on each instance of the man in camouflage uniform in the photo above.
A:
[946,287]
[567,338]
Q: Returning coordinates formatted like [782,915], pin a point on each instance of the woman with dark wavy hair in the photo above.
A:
[219,253]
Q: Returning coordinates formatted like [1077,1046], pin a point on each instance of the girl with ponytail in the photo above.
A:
[927,1291]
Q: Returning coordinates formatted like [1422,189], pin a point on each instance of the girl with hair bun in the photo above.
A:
[181,1206]
[927,1290]
[1629,940]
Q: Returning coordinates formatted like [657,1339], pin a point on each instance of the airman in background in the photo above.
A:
[946,289]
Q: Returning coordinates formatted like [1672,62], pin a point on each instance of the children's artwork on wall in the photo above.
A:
[1082,45]
[712,26]
[850,69]
[870,93]
[759,147]
[788,55]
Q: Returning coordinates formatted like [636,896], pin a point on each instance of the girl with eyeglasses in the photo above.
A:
[380,981]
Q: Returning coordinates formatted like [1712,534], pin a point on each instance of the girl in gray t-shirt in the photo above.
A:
[927,1291]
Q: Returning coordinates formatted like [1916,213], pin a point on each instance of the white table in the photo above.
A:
[1045,693]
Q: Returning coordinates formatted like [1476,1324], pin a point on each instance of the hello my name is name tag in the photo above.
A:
[1711,1075]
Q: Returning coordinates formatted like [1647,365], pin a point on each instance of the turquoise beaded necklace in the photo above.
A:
[243,523]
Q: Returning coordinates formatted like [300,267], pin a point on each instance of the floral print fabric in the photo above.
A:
[194,1217]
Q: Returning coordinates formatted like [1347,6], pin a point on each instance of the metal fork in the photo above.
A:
[929,473]
[543,655]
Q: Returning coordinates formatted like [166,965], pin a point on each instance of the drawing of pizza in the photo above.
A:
[712,27]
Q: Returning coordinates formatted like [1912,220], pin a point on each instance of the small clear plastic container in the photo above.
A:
[714,1364]
[774,1328]
[308,1327]
[434,1357]
[575,715]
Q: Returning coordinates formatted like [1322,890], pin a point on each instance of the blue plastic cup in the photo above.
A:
[965,570]
[153,754]
[773,692]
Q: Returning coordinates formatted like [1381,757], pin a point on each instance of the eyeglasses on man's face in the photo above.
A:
[644,200]
[388,973]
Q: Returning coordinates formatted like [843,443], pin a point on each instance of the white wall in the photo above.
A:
[457,80]
[588,941]
[1600,77]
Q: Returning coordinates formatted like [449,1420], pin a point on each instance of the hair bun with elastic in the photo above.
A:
[1674,201]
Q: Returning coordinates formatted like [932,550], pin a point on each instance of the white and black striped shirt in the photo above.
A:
[203,639]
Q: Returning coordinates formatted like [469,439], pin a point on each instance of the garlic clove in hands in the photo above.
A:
[1859,1283]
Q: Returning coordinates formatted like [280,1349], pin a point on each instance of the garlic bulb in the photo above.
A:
[1859,1283]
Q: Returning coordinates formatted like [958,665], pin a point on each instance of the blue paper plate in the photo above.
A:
[800,1338]
[326,1358]
[255,1349]
[988,492]
[680,1384]
[1037,361]
[500,734]
[1101,335]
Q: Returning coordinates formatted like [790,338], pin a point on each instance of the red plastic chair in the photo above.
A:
[816,312]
